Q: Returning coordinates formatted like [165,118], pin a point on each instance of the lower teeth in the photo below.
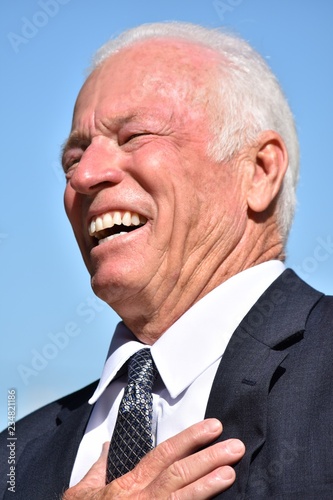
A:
[108,238]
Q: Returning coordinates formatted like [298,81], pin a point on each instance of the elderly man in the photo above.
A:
[181,168]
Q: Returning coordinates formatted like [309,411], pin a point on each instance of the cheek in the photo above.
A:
[73,209]
[219,198]
[68,200]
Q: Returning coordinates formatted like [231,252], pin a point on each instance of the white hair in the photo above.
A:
[249,98]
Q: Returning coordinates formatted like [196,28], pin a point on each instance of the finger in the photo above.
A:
[204,472]
[209,486]
[172,450]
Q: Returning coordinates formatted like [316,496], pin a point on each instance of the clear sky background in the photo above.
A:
[54,333]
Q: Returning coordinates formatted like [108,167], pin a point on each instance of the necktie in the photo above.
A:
[132,436]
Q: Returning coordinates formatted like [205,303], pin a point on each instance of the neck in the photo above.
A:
[148,317]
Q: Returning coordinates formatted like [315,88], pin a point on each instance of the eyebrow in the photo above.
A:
[75,139]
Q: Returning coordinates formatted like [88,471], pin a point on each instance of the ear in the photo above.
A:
[269,165]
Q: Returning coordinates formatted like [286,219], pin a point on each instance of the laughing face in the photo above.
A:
[155,217]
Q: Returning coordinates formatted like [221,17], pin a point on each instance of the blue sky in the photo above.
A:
[54,332]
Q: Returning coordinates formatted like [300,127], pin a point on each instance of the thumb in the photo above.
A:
[92,482]
[95,477]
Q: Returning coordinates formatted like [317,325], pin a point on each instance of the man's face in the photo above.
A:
[153,215]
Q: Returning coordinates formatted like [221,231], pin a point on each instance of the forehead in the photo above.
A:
[152,70]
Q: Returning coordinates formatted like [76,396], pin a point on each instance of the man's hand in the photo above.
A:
[174,469]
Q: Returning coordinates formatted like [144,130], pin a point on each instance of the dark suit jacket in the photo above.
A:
[273,389]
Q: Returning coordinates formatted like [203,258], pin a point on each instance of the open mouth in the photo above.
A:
[112,224]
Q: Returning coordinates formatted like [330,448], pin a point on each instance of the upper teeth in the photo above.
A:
[115,218]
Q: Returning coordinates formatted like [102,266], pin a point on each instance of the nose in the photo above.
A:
[96,169]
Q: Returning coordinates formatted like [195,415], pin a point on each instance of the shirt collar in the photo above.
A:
[123,345]
[199,337]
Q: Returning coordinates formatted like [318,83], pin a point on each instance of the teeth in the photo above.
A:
[110,219]
[108,238]
[135,219]
[92,227]
[117,218]
[107,220]
[99,224]
[127,219]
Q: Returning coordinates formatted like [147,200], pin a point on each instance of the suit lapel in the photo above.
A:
[253,361]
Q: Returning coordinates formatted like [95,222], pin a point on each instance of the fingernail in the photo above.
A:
[226,473]
[105,448]
[213,425]
[235,446]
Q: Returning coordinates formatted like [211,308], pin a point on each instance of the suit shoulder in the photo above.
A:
[34,432]
[44,419]
[321,316]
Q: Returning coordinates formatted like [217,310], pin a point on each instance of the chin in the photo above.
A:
[114,288]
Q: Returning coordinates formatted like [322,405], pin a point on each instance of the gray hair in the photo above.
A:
[249,98]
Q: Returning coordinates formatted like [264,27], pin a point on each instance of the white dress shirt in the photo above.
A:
[186,356]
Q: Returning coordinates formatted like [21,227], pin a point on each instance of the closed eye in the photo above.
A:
[132,137]
[69,161]
[73,151]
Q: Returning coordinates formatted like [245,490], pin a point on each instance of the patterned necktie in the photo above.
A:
[132,436]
